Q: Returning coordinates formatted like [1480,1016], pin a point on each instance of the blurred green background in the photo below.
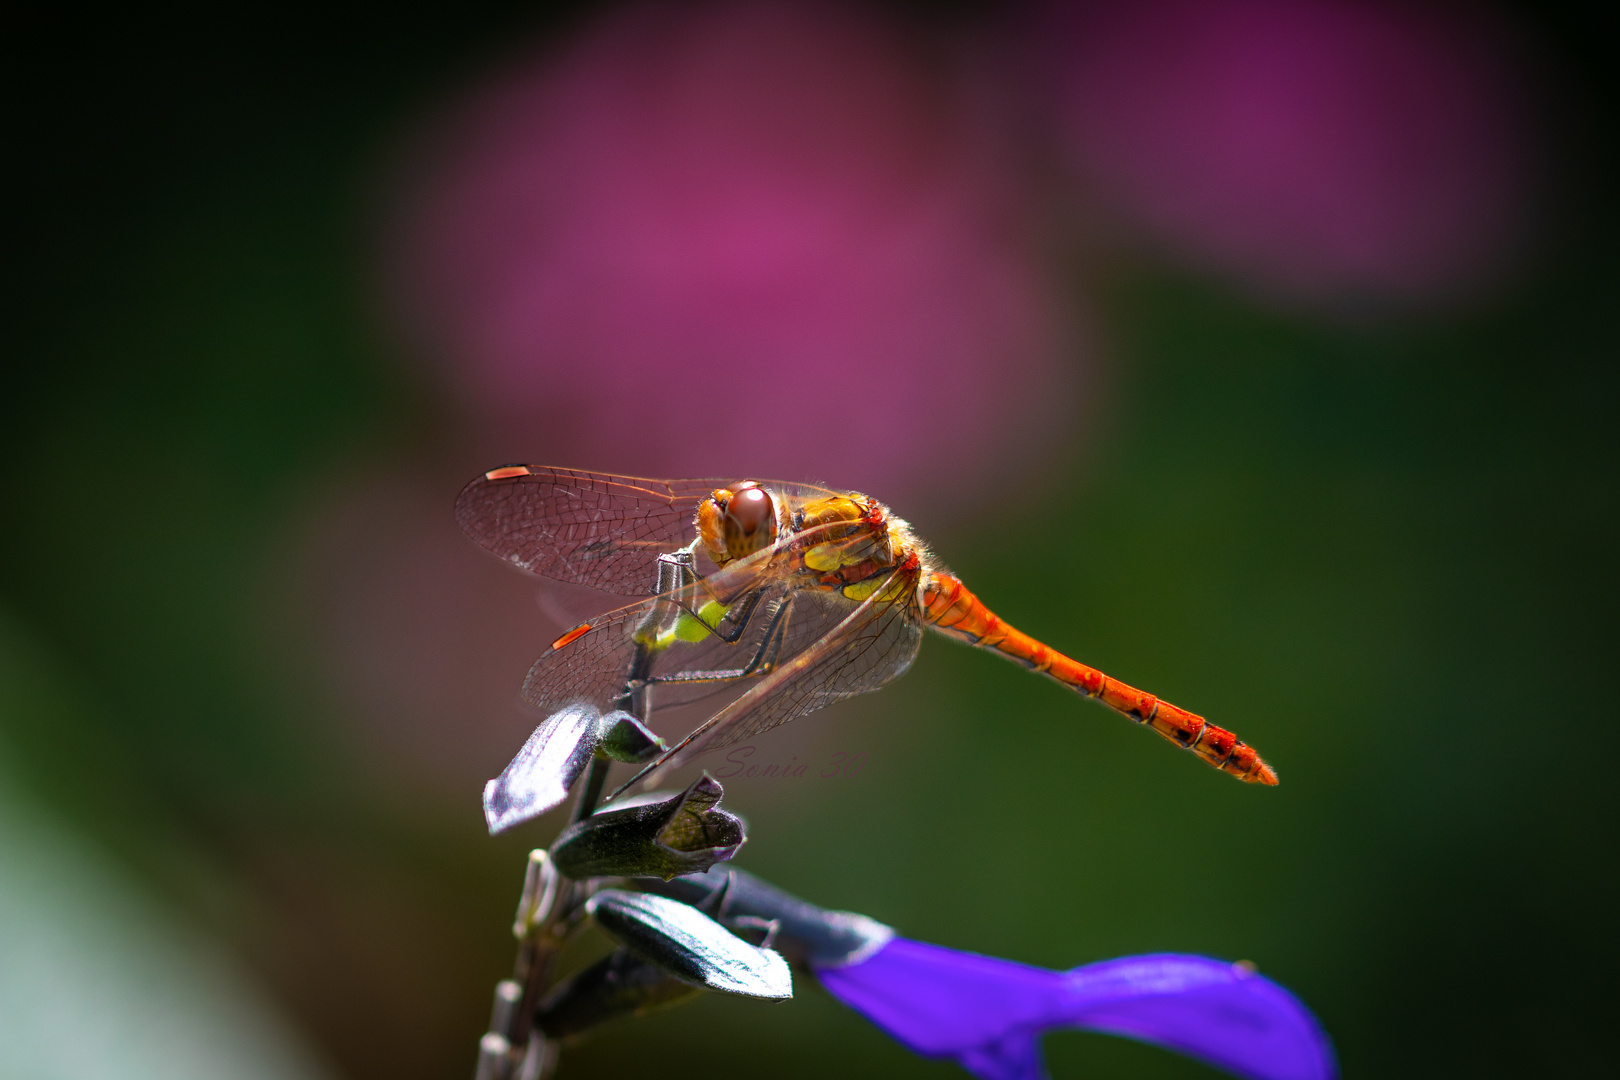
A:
[1382,552]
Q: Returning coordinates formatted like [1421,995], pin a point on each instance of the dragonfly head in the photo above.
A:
[737,521]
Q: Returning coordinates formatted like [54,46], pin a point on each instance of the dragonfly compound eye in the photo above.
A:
[749,523]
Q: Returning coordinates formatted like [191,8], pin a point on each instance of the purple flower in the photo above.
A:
[988,1014]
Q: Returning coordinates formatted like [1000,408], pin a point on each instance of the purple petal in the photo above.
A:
[1016,1057]
[1217,1012]
[988,1013]
[940,1002]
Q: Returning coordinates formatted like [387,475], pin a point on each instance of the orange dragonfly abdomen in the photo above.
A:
[950,608]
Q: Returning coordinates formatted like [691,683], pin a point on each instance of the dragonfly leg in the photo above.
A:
[738,622]
[676,571]
[763,661]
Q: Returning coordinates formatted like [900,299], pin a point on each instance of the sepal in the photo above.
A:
[686,834]
[805,933]
[689,945]
[619,985]
[538,779]
[624,738]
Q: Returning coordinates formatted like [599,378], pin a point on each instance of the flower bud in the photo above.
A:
[805,933]
[686,834]
[624,738]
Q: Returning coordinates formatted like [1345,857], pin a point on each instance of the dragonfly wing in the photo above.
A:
[682,657]
[595,529]
[869,645]
[741,603]
[588,664]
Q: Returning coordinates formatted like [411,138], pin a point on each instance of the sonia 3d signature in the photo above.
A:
[738,764]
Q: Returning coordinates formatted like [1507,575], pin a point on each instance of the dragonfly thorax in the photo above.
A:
[845,539]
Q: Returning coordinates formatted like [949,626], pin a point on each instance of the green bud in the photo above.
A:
[624,738]
[686,834]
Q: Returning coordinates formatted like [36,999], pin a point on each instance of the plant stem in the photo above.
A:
[528,1054]
[512,1046]
[591,793]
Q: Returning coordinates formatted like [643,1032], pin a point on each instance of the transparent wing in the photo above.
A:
[857,648]
[595,529]
[661,642]
[738,618]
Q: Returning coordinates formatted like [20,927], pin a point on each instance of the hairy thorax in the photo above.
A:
[847,542]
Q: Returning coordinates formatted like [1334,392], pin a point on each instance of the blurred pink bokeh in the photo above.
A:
[1337,152]
[768,239]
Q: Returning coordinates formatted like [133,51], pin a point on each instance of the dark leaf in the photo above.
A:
[619,985]
[538,779]
[689,945]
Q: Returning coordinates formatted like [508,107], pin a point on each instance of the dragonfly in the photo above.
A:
[799,595]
